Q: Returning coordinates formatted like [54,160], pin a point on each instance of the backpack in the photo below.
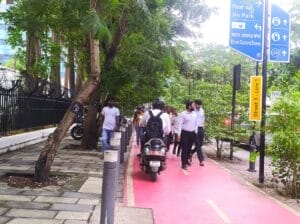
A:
[154,127]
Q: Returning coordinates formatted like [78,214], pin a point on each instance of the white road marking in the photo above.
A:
[219,212]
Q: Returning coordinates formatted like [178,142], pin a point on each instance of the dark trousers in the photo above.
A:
[187,140]
[177,146]
[198,144]
[139,133]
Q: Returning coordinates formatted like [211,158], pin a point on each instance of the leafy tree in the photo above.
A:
[285,147]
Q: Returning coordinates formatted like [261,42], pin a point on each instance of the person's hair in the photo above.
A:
[158,104]
[199,102]
[188,104]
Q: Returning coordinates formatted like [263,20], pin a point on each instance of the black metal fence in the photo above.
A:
[19,110]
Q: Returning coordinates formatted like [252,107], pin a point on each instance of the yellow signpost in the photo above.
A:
[255,98]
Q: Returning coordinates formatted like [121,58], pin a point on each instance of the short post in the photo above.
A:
[123,144]
[253,148]
[127,134]
[109,183]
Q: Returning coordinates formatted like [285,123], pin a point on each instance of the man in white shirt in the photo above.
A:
[187,124]
[200,131]
[110,124]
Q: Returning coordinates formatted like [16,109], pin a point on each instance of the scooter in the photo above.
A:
[153,157]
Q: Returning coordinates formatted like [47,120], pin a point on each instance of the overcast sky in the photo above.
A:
[216,30]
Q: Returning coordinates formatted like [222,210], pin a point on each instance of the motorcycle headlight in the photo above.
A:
[146,150]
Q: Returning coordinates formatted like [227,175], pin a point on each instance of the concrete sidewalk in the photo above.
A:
[77,201]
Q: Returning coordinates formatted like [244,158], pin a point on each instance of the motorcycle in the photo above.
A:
[77,129]
[153,158]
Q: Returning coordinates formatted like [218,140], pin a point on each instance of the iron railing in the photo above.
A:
[20,110]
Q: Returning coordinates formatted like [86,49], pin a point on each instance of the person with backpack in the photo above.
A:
[156,123]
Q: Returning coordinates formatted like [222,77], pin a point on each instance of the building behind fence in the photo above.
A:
[23,111]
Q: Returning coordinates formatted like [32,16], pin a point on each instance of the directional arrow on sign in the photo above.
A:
[279,35]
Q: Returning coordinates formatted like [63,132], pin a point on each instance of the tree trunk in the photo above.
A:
[71,66]
[45,160]
[55,69]
[89,140]
[112,51]
[32,52]
[79,78]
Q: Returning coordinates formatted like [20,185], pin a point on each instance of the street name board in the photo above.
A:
[255,98]
[246,27]
[279,35]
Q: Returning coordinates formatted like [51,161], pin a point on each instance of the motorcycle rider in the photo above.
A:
[157,109]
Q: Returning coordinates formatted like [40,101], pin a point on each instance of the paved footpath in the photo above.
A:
[76,202]
[208,194]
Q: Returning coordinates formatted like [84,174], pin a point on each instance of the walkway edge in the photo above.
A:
[14,142]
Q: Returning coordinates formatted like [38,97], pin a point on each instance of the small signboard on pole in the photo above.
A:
[255,98]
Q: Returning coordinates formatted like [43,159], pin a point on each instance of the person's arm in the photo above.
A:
[101,118]
[179,126]
[117,120]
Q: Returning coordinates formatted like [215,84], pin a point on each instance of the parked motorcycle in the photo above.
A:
[153,158]
[77,129]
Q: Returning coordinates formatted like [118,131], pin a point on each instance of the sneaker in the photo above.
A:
[184,168]
[201,164]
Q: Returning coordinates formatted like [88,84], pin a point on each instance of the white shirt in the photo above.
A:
[166,121]
[110,114]
[187,121]
[200,117]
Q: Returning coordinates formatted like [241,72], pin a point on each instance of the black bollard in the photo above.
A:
[110,178]
[123,144]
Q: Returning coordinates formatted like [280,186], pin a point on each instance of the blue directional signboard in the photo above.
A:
[246,27]
[279,35]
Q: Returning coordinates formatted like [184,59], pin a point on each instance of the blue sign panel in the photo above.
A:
[279,35]
[246,27]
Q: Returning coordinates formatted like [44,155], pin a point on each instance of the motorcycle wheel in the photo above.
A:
[77,132]
[153,176]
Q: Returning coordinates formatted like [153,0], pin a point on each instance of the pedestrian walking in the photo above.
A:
[174,126]
[187,132]
[110,123]
[200,131]
[137,117]
[169,137]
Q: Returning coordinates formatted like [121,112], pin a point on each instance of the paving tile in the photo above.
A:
[30,213]
[26,205]
[11,191]
[55,199]
[35,221]
[92,185]
[73,215]
[16,198]
[88,201]
[75,222]
[72,207]
[3,220]
[41,193]
[13,167]
[3,210]
[79,195]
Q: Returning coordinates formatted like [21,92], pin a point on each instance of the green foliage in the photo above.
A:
[285,147]
[13,63]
